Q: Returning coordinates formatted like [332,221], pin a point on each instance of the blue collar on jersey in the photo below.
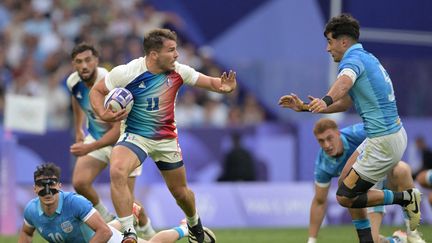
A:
[59,206]
[345,143]
[353,47]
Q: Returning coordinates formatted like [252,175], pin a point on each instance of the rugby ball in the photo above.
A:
[119,98]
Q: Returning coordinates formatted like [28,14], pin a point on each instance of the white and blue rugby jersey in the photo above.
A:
[152,114]
[326,166]
[372,92]
[95,126]
[68,222]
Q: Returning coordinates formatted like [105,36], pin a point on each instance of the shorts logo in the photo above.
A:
[67,226]
[131,137]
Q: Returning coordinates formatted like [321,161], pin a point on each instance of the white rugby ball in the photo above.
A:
[119,98]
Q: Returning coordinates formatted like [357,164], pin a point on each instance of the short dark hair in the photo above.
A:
[82,47]
[153,40]
[48,170]
[323,125]
[343,25]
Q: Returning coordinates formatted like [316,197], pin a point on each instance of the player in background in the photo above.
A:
[93,151]
[363,80]
[60,216]
[336,146]
[154,81]
[424,178]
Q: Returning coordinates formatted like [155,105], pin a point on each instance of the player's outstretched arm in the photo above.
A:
[292,101]
[317,105]
[26,234]
[109,138]
[338,91]
[97,97]
[102,232]
[225,84]
[317,210]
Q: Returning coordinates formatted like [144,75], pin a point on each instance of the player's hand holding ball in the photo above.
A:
[118,103]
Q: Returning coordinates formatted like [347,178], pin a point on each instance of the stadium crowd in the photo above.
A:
[36,37]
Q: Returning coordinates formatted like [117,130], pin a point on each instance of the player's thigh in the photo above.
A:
[87,168]
[124,159]
[348,166]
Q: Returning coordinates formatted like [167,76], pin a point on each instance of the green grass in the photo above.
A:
[333,234]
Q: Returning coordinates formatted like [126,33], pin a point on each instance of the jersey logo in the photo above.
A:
[79,95]
[142,85]
[67,226]
[169,82]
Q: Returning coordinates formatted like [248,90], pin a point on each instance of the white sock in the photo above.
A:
[192,221]
[182,230]
[407,196]
[311,240]
[147,228]
[127,224]
[106,215]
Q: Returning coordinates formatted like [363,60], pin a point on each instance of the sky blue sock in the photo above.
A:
[391,239]
[361,223]
[388,197]
[179,231]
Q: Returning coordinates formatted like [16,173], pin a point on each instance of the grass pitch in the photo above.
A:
[331,234]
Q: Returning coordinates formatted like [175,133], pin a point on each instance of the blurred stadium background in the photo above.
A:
[276,47]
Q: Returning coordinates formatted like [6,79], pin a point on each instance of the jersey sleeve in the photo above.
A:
[353,64]
[28,215]
[317,165]
[117,77]
[72,80]
[188,74]
[81,207]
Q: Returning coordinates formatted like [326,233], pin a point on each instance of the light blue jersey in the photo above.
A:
[327,167]
[67,223]
[372,92]
[78,89]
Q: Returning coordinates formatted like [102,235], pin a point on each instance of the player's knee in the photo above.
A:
[321,200]
[80,184]
[118,173]
[402,170]
[345,195]
[344,201]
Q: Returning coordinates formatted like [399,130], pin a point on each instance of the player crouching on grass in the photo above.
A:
[60,216]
